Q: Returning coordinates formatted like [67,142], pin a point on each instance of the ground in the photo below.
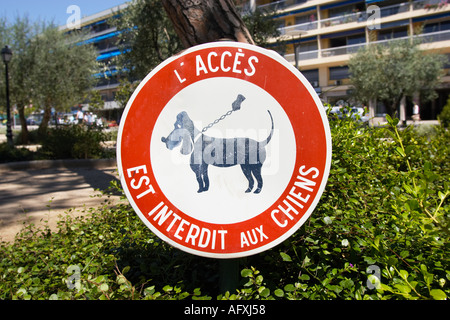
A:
[39,196]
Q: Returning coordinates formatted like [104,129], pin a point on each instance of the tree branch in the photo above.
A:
[202,21]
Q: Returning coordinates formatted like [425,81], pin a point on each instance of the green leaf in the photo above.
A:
[388,119]
[438,294]
[408,188]
[403,288]
[245,273]
[167,288]
[53,297]
[400,151]
[103,297]
[183,295]
[404,254]
[104,287]
[285,257]
[126,269]
[409,149]
[265,292]
[347,283]
[403,274]
[289,288]
[279,293]
[304,277]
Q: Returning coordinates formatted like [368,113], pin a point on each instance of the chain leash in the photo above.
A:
[236,106]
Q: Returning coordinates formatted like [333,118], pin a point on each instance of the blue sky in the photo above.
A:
[52,10]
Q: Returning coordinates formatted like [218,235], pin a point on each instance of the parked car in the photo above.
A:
[33,120]
[356,113]
[360,114]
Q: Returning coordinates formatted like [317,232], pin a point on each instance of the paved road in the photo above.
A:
[33,195]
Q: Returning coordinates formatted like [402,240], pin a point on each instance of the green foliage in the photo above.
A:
[11,154]
[73,142]
[124,92]
[444,116]
[389,72]
[379,232]
[48,68]
[261,26]
[63,142]
[148,37]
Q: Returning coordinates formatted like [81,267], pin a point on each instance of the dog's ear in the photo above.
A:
[187,147]
[179,122]
[187,123]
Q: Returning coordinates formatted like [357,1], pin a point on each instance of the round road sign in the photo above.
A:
[224,150]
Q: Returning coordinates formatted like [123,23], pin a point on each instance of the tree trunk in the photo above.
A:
[42,131]
[23,124]
[202,21]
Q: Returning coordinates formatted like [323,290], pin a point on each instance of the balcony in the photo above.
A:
[281,5]
[361,16]
[425,38]
[298,27]
[430,4]
[346,18]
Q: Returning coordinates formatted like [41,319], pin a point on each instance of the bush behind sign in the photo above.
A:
[379,232]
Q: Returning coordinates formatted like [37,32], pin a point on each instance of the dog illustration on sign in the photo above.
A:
[220,152]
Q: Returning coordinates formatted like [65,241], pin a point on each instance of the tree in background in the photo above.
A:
[21,34]
[64,70]
[49,69]
[147,38]
[261,26]
[18,37]
[393,71]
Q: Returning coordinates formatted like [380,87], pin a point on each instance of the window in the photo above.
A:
[393,33]
[437,26]
[308,46]
[339,73]
[338,42]
[312,76]
[359,38]
[310,17]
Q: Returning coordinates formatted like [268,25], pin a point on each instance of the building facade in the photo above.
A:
[103,36]
[321,36]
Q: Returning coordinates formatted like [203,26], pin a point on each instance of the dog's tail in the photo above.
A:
[266,142]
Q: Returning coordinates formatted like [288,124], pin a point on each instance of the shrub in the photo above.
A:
[444,116]
[12,154]
[379,232]
[73,142]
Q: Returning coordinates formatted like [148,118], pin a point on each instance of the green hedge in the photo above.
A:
[380,231]
[63,142]
[73,142]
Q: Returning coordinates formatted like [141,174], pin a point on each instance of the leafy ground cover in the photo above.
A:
[380,231]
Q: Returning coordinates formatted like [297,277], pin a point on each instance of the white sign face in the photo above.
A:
[224,150]
[227,186]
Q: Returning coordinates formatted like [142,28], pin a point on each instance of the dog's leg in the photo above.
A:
[256,170]
[198,175]
[248,174]
[204,173]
